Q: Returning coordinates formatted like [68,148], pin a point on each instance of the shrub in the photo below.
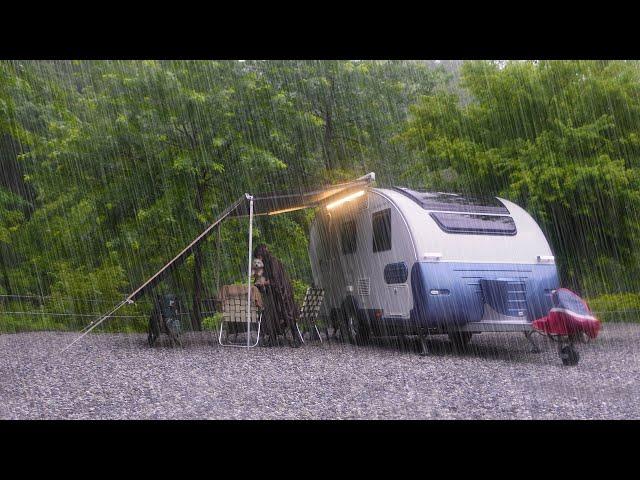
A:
[212,322]
[299,290]
[616,307]
[26,322]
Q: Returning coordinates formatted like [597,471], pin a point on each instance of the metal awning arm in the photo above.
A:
[160,274]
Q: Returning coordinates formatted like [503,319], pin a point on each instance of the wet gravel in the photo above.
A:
[116,376]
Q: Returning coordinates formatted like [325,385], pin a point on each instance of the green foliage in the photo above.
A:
[557,137]
[299,290]
[212,322]
[122,163]
[616,307]
[11,214]
[16,323]
[75,289]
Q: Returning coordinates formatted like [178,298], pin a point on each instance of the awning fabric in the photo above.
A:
[276,203]
[268,204]
[265,204]
[272,204]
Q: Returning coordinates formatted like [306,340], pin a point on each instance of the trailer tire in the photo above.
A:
[356,330]
[459,339]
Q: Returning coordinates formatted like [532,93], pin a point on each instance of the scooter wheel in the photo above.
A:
[569,355]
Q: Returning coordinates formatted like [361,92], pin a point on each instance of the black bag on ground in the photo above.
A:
[164,319]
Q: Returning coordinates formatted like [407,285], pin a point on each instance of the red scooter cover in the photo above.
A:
[570,315]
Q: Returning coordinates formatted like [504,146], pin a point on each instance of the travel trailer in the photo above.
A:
[395,261]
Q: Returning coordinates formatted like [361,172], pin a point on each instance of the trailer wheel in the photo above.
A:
[460,340]
[569,355]
[356,330]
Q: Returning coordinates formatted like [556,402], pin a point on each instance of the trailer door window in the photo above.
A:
[396,273]
[348,237]
[381,223]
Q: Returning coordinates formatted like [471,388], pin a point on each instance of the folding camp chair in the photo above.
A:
[310,309]
[235,316]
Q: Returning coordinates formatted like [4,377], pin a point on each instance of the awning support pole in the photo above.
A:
[250,198]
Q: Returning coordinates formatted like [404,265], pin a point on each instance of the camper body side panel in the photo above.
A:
[326,267]
[359,277]
[387,271]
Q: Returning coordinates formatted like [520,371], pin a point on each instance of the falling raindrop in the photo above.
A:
[123,196]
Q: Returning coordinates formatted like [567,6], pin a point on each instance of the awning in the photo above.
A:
[276,203]
[273,204]
[262,204]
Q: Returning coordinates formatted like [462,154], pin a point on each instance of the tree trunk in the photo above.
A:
[4,260]
[329,134]
[328,140]
[196,314]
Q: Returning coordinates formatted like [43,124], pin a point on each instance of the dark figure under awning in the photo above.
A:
[280,309]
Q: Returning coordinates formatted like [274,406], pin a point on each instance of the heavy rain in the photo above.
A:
[319,239]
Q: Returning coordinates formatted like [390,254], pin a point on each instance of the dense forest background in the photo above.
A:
[109,168]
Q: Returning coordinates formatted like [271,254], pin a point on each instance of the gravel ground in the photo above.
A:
[116,376]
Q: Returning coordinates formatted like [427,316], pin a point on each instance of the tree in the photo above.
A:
[131,159]
[557,137]
[353,108]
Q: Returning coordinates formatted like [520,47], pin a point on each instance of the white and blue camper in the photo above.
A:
[395,261]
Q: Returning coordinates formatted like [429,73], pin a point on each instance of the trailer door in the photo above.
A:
[391,269]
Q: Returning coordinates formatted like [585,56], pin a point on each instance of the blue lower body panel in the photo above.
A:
[452,294]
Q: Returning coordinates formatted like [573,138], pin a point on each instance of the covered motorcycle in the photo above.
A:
[570,320]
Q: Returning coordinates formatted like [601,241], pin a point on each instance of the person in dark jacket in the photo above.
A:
[281,311]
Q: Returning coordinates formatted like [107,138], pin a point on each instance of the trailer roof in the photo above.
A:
[452,202]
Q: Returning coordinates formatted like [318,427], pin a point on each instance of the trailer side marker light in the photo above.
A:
[348,198]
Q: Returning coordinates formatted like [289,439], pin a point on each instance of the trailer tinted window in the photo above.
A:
[475,224]
[381,223]
[450,202]
[348,237]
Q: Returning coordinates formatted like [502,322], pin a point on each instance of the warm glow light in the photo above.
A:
[285,210]
[345,199]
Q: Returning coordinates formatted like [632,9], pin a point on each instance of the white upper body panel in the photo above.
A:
[524,247]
